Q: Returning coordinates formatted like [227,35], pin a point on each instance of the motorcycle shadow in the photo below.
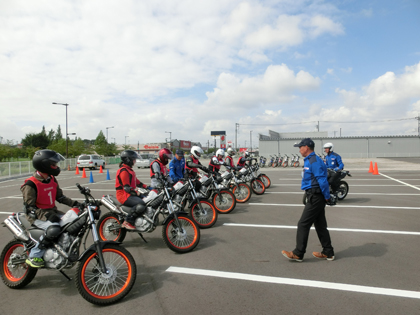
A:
[349,200]
[366,250]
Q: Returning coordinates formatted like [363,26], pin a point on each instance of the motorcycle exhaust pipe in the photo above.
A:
[15,228]
[109,204]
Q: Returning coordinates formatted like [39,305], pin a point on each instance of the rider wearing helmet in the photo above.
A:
[246,157]
[334,162]
[125,184]
[217,161]
[158,168]
[229,158]
[40,192]
[192,162]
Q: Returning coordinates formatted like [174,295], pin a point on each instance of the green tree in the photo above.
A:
[59,146]
[101,145]
[58,134]
[38,140]
[51,135]
[78,147]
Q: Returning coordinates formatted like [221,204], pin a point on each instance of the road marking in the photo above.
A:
[329,228]
[351,185]
[336,206]
[352,193]
[297,282]
[398,181]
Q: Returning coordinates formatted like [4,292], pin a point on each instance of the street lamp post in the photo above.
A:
[67,131]
[107,133]
[170,137]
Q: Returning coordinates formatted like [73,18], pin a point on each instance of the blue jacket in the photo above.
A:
[176,169]
[333,160]
[314,175]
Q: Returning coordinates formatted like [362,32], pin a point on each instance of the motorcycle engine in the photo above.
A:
[176,202]
[52,257]
[143,225]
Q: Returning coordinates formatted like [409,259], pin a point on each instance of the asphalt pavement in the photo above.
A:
[237,268]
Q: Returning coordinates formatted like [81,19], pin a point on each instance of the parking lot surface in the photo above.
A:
[237,268]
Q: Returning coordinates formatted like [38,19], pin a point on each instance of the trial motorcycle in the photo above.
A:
[179,231]
[105,272]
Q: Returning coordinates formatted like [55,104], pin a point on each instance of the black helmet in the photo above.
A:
[44,159]
[128,157]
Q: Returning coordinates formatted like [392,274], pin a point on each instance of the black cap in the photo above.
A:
[306,141]
[179,152]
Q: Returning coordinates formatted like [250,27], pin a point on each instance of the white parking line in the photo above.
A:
[398,181]
[336,206]
[297,282]
[352,193]
[329,228]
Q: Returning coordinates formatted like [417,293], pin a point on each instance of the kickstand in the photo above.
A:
[141,235]
[62,272]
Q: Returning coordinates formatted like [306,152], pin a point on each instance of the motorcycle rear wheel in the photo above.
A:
[242,192]
[101,288]
[285,164]
[205,219]
[15,276]
[257,186]
[266,180]
[181,239]
[224,202]
[343,190]
[109,228]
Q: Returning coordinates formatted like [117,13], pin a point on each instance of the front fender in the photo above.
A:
[93,247]
[169,217]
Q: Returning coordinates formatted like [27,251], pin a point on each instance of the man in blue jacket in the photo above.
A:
[177,166]
[315,185]
[333,162]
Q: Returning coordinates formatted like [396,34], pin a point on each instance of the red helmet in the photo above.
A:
[165,155]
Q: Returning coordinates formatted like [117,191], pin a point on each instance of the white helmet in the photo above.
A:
[197,151]
[231,152]
[220,152]
[246,154]
[329,145]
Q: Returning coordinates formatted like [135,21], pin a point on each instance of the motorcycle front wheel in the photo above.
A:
[102,288]
[224,201]
[257,186]
[15,273]
[285,164]
[109,228]
[266,180]
[242,192]
[206,216]
[181,238]
[343,190]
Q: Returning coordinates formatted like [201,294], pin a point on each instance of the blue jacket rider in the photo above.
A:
[332,160]
[177,166]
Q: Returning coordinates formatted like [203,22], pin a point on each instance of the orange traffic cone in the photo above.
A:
[77,171]
[84,173]
[375,170]
[371,167]
[100,169]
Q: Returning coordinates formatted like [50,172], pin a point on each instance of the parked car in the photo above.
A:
[91,161]
[144,160]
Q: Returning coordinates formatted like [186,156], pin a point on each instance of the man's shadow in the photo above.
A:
[366,250]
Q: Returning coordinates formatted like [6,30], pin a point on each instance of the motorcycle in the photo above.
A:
[341,188]
[223,200]
[263,161]
[231,181]
[201,210]
[251,174]
[179,232]
[105,273]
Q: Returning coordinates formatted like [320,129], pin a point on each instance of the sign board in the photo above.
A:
[185,144]
[243,149]
[217,133]
[223,142]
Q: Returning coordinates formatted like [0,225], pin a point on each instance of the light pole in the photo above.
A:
[67,131]
[107,133]
[170,137]
[250,139]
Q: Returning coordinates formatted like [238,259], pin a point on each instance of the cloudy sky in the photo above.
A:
[190,67]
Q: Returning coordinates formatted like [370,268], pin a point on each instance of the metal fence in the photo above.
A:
[17,169]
